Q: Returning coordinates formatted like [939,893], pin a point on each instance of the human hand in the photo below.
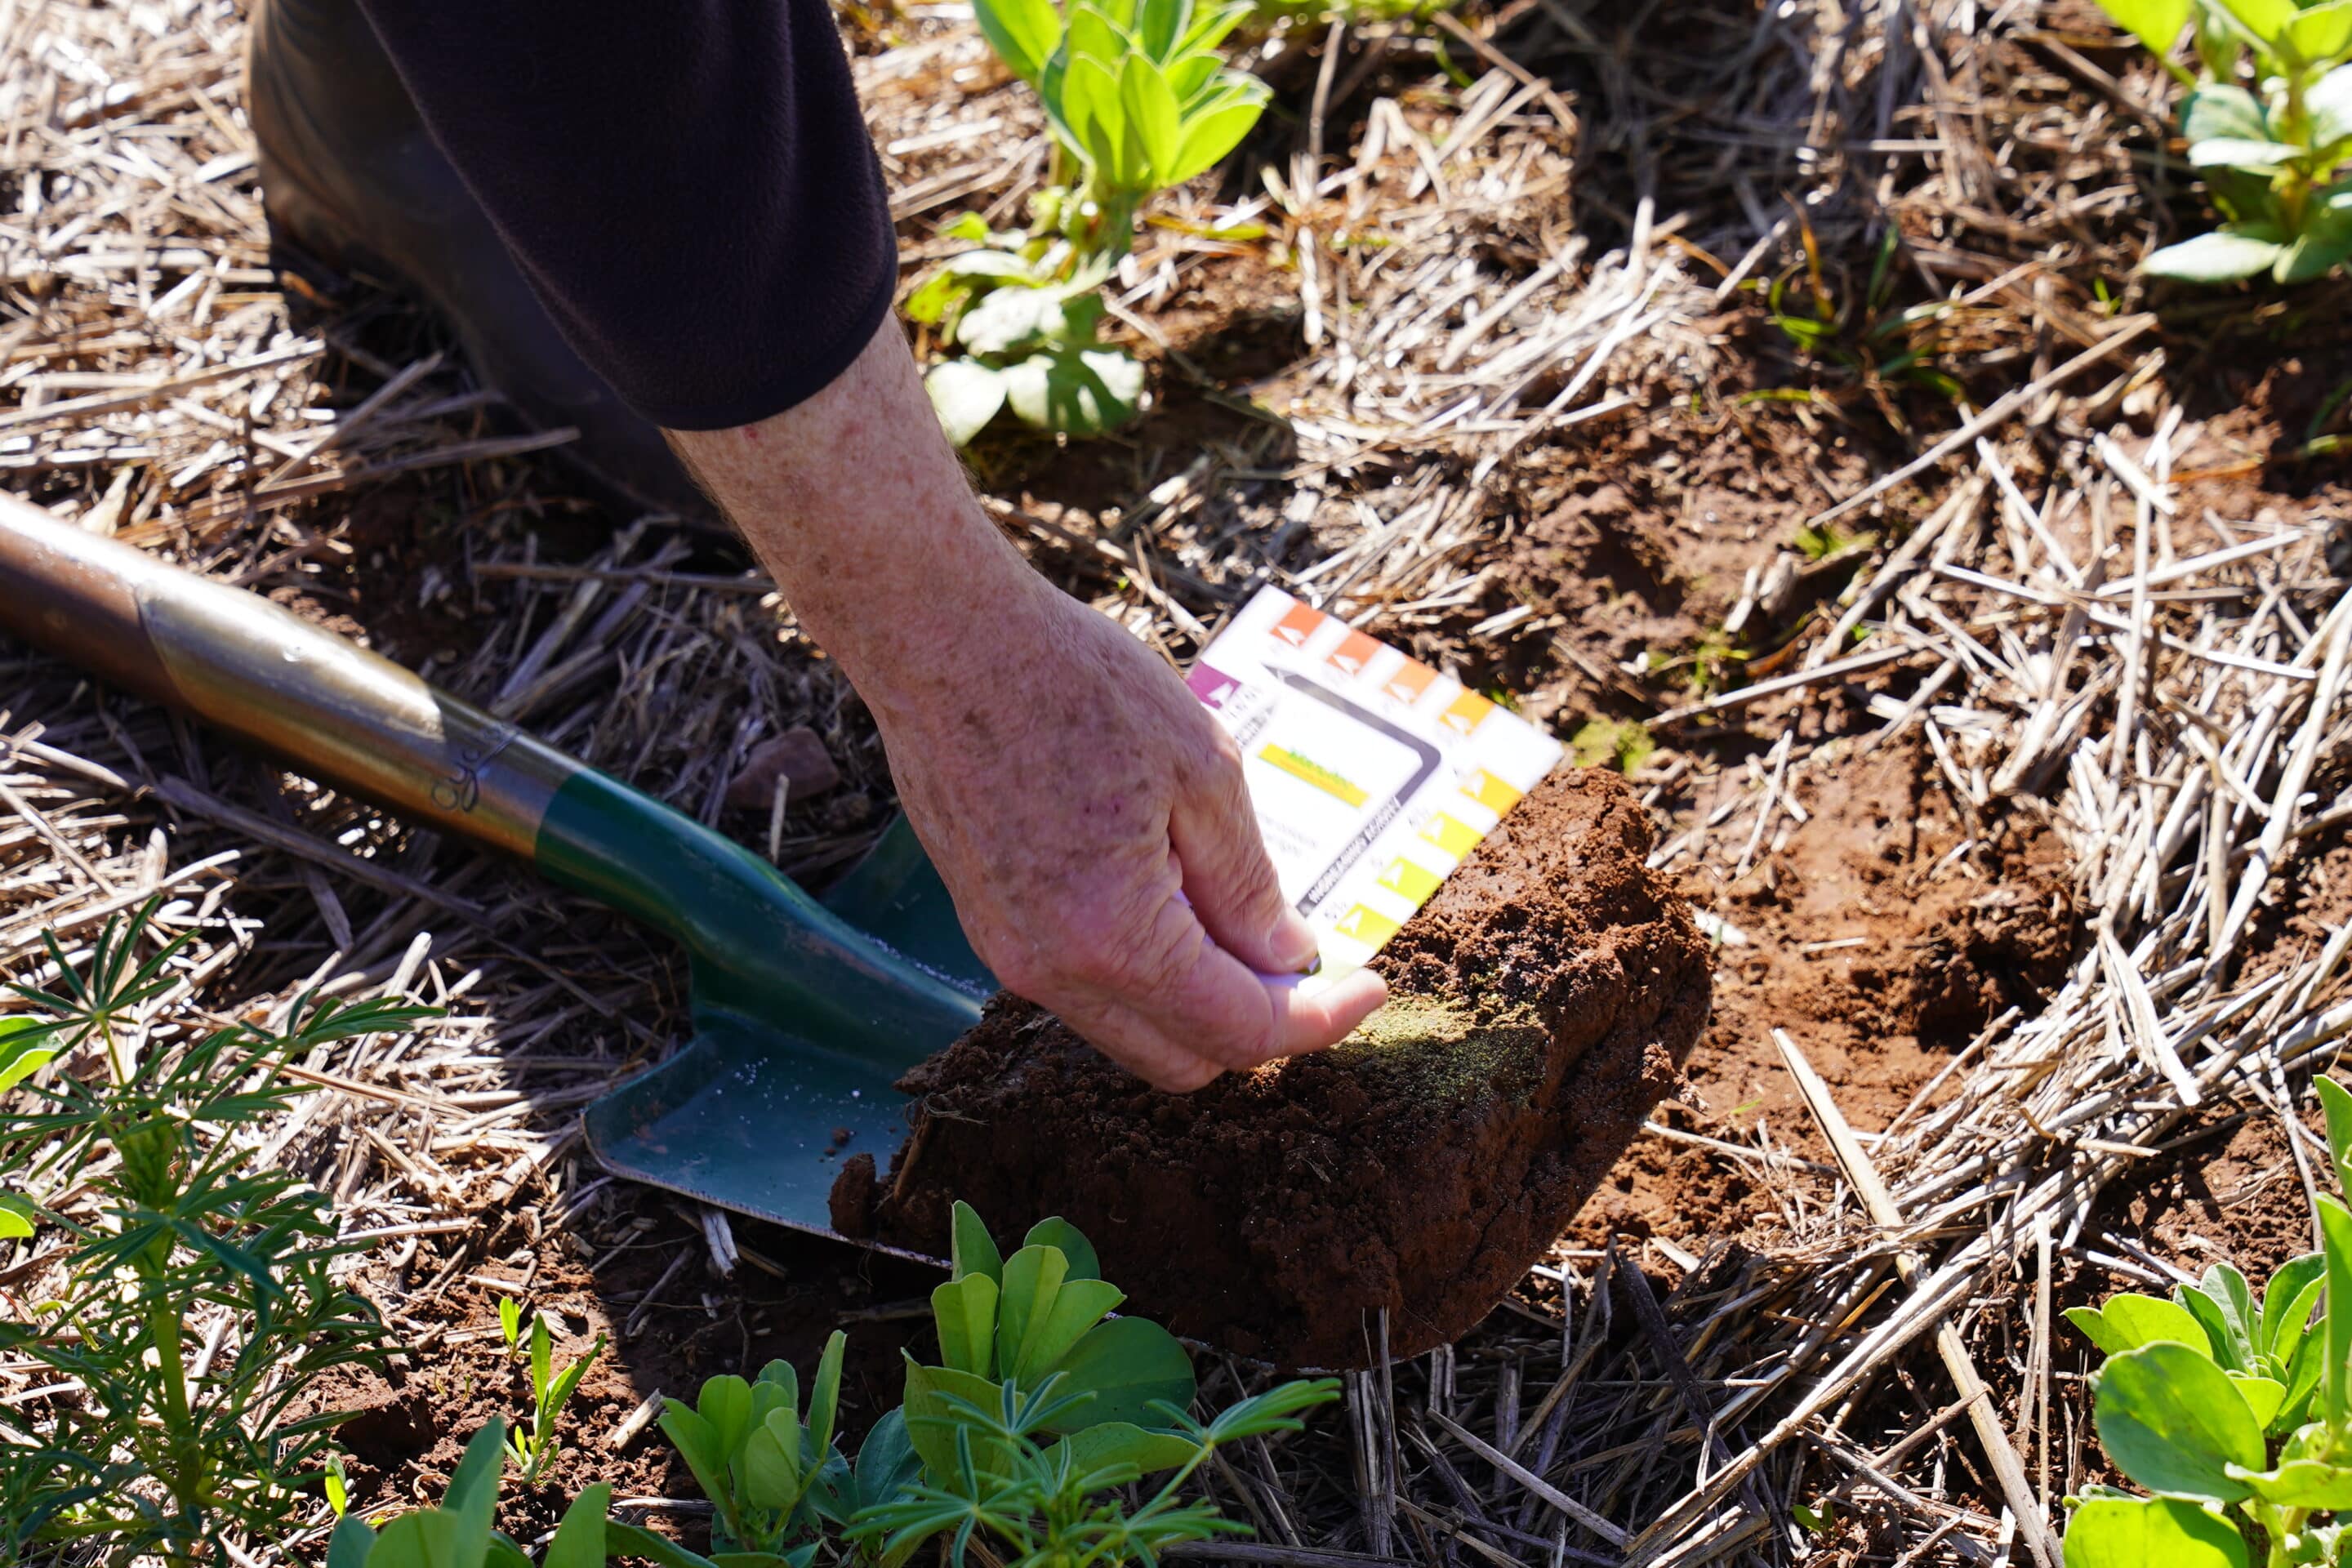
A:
[1089,818]
[1087,815]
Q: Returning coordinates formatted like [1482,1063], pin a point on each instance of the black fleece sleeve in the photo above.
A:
[688,183]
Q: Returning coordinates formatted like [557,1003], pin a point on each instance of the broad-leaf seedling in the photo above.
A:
[2235,1411]
[1139,100]
[2268,124]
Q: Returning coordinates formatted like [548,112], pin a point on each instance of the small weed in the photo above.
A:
[551,1390]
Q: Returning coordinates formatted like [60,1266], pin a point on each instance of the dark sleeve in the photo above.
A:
[688,183]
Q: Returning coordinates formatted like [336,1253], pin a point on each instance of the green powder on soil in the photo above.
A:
[1429,1045]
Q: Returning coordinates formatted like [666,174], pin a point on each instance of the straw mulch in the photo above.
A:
[1475,281]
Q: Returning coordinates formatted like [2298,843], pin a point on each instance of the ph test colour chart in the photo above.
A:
[1372,774]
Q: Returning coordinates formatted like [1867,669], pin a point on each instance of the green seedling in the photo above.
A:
[551,1391]
[337,1487]
[769,1470]
[1876,351]
[1139,100]
[2268,123]
[173,1225]
[1032,1504]
[1044,1407]
[2235,1412]
[459,1532]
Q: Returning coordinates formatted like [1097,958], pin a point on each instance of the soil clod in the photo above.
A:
[1540,1004]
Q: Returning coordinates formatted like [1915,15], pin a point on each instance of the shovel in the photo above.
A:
[804,1010]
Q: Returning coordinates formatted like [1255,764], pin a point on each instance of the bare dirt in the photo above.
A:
[1540,1001]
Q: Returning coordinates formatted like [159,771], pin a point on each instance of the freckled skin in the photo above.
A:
[1064,780]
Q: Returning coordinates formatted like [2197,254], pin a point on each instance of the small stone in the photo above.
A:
[797,754]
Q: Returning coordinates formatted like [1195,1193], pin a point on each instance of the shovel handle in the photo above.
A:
[356,718]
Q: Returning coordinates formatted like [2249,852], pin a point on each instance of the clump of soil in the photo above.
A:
[1541,1002]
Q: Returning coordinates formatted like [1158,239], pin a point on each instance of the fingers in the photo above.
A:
[1230,880]
[1201,1011]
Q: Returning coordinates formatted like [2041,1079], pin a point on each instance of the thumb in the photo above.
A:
[1228,878]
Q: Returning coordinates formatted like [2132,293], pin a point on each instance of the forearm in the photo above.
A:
[858,506]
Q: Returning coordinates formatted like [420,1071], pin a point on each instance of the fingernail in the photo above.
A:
[1295,946]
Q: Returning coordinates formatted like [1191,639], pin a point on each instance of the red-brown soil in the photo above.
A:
[1540,1003]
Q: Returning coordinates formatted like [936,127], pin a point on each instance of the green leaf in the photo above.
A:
[2217,257]
[1006,318]
[2265,19]
[2329,105]
[579,1539]
[887,1462]
[425,1538]
[542,1356]
[2216,111]
[1128,1364]
[2093,1324]
[1032,1277]
[965,395]
[2172,1421]
[1190,75]
[2265,1396]
[510,1320]
[349,1546]
[2301,1483]
[1024,32]
[726,1403]
[1077,1307]
[1111,1443]
[504,1553]
[966,1310]
[1081,391]
[825,1395]
[1152,113]
[1091,100]
[2302,1381]
[772,1476]
[1076,1250]
[2238,152]
[1093,37]
[27,1045]
[697,1442]
[2336,1233]
[931,1422]
[16,1215]
[1210,23]
[2288,1297]
[2133,1321]
[2156,22]
[2316,252]
[1160,23]
[2143,1532]
[1212,132]
[2225,1309]
[2336,1105]
[2322,32]
[472,1499]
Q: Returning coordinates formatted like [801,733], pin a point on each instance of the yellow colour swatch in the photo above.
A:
[1450,836]
[1314,772]
[1367,925]
[1407,881]
[1465,712]
[1491,792]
